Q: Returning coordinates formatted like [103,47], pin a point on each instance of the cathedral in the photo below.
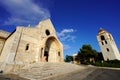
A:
[107,45]
[31,44]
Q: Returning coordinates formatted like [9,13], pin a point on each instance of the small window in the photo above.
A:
[41,52]
[58,53]
[27,47]
[105,41]
[108,50]
[102,43]
[102,37]
[47,32]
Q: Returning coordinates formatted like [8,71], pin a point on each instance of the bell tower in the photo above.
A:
[107,45]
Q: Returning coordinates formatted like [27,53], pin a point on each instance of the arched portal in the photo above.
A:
[52,51]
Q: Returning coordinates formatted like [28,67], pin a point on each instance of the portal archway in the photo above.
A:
[52,51]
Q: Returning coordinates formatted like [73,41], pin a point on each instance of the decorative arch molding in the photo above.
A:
[52,50]
[53,38]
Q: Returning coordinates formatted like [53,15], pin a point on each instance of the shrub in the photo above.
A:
[111,63]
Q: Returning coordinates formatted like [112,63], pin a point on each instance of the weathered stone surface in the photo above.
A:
[3,36]
[42,71]
[32,45]
[49,72]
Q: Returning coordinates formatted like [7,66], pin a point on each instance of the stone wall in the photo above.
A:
[27,46]
[2,42]
[3,36]
[30,45]
[108,45]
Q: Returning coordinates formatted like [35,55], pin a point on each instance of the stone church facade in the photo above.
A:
[31,44]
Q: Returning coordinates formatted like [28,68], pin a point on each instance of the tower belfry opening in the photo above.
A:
[102,37]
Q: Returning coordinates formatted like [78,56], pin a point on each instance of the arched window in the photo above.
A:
[102,37]
[108,50]
[105,41]
[47,32]
[27,47]
[102,43]
[58,53]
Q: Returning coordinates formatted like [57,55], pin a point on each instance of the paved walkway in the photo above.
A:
[64,71]
[91,74]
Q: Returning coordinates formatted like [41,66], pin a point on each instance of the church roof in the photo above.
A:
[102,30]
[4,34]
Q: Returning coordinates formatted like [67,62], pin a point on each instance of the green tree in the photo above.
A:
[68,58]
[87,54]
[99,57]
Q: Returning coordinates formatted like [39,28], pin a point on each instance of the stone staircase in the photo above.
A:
[43,71]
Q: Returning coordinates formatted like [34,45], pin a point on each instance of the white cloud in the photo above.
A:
[65,46]
[68,38]
[67,30]
[64,31]
[65,35]
[24,12]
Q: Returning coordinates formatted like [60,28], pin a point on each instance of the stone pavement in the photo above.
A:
[92,73]
[62,71]
[47,70]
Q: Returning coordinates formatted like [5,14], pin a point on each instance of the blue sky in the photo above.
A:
[76,21]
